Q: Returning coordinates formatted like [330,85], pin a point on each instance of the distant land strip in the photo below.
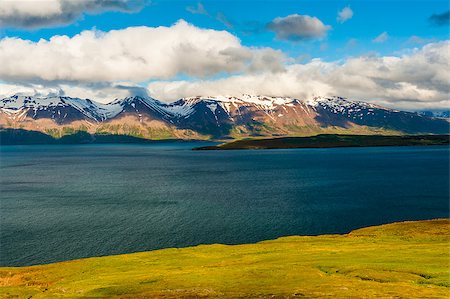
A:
[27,137]
[331,140]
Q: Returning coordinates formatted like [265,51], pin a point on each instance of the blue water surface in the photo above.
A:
[61,202]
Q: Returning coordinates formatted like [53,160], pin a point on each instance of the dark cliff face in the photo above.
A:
[221,117]
[61,115]
[207,117]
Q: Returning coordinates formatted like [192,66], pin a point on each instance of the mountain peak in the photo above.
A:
[244,115]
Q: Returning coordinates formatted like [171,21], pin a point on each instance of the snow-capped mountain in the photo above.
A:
[59,109]
[213,116]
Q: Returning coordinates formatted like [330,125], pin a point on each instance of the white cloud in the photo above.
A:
[106,65]
[48,13]
[417,80]
[413,81]
[345,14]
[381,38]
[298,27]
[132,54]
[296,81]
[99,92]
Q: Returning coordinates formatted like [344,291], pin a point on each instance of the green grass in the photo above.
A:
[400,260]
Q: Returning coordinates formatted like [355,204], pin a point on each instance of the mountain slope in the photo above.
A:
[60,109]
[440,114]
[216,117]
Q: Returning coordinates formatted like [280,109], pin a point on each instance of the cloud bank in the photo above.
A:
[141,60]
[37,14]
[420,79]
[133,54]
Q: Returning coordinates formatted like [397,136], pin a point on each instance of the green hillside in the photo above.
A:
[400,260]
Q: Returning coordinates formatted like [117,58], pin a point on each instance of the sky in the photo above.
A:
[392,53]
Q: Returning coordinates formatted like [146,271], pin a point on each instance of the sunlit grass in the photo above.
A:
[408,260]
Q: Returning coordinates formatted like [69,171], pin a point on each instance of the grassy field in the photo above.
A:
[331,140]
[400,260]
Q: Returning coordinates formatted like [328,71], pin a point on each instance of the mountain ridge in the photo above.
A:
[212,117]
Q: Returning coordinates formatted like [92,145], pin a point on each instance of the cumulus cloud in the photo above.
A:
[345,14]
[381,38]
[417,80]
[107,65]
[442,19]
[298,27]
[48,13]
[132,54]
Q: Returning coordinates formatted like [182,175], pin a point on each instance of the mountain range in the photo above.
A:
[217,117]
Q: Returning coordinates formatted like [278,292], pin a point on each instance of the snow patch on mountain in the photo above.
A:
[186,107]
[16,104]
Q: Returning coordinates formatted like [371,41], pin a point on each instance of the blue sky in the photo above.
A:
[400,19]
[390,52]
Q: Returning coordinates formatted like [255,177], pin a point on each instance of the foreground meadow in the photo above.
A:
[399,260]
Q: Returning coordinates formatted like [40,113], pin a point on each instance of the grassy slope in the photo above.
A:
[409,259]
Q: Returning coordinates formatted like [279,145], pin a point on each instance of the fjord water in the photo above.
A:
[67,202]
